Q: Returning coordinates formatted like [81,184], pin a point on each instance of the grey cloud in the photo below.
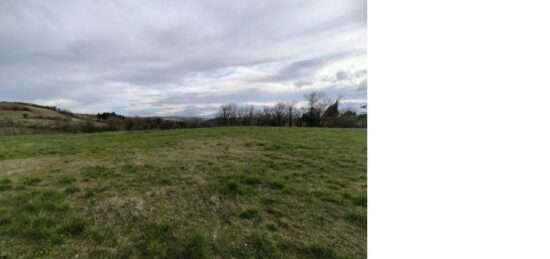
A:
[341,75]
[302,83]
[362,85]
[107,54]
[360,73]
[252,95]
[307,67]
[353,79]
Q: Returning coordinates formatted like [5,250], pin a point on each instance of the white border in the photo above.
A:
[459,129]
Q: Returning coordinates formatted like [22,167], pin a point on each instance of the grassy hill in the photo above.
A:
[237,192]
[26,118]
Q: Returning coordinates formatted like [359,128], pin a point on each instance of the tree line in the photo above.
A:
[320,111]
[116,122]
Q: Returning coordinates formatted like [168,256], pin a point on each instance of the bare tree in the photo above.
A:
[227,114]
[279,114]
[266,116]
[319,111]
[291,111]
[241,114]
[246,114]
[318,100]
[312,100]
[324,102]
[317,104]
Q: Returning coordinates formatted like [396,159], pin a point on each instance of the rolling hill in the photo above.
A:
[26,118]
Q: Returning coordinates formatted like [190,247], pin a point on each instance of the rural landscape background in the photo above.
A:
[188,129]
[321,111]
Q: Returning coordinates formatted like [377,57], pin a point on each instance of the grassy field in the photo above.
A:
[197,193]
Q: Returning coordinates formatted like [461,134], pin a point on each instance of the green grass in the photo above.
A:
[236,192]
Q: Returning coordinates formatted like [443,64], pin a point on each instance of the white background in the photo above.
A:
[459,133]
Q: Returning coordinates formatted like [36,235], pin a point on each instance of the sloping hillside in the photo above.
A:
[25,118]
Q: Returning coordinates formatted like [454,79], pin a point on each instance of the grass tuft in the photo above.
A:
[251,214]
[232,187]
[197,247]
[276,184]
[66,180]
[263,246]
[5,184]
[319,250]
[358,216]
[272,226]
[101,235]
[158,240]
[71,189]
[97,171]
[357,199]
[74,227]
[30,181]
[253,180]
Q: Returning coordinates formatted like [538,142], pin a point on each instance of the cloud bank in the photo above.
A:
[180,57]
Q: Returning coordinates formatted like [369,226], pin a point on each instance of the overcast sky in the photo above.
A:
[180,57]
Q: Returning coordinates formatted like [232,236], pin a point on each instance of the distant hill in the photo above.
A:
[177,118]
[27,118]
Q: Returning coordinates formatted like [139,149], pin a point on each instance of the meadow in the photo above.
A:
[227,192]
